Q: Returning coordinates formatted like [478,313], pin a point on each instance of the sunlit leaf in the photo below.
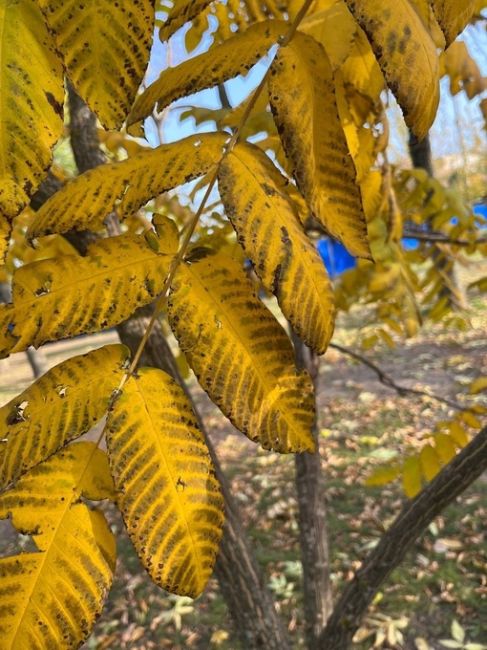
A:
[60,406]
[241,355]
[254,194]
[50,598]
[302,97]
[168,494]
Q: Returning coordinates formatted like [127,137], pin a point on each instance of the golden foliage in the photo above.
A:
[168,494]
[302,96]
[401,43]
[71,295]
[85,201]
[240,354]
[182,12]
[235,56]
[453,16]
[51,598]
[31,106]
[60,406]
[105,47]
[254,195]
[5,232]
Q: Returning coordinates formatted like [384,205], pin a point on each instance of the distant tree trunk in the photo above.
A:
[414,519]
[421,157]
[313,532]
[249,601]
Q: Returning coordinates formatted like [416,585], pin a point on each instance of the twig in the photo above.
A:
[387,380]
[440,238]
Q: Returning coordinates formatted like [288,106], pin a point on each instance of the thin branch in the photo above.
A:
[412,522]
[439,238]
[387,380]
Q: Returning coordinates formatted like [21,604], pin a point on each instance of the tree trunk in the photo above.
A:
[313,532]
[414,519]
[248,599]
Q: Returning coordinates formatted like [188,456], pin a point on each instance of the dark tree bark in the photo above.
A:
[420,152]
[248,599]
[313,532]
[414,519]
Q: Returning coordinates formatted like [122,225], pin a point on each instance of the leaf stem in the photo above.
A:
[161,301]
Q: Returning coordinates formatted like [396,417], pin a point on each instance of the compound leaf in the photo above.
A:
[105,47]
[168,494]
[60,406]
[254,194]
[51,598]
[240,354]
[302,97]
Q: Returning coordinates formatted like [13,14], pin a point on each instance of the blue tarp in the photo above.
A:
[337,259]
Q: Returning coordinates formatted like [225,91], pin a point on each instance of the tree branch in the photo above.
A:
[440,238]
[414,519]
[387,380]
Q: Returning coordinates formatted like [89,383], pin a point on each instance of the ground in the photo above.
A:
[362,424]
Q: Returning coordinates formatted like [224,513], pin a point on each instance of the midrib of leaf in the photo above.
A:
[169,473]
[268,383]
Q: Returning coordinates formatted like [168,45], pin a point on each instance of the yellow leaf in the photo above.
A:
[361,69]
[5,231]
[411,477]
[430,464]
[332,25]
[168,494]
[70,295]
[453,16]
[241,355]
[60,406]
[105,47]
[254,195]
[402,43]
[478,385]
[31,104]
[458,433]
[181,12]
[235,56]
[52,597]
[444,447]
[383,475]
[88,199]
[470,419]
[302,96]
